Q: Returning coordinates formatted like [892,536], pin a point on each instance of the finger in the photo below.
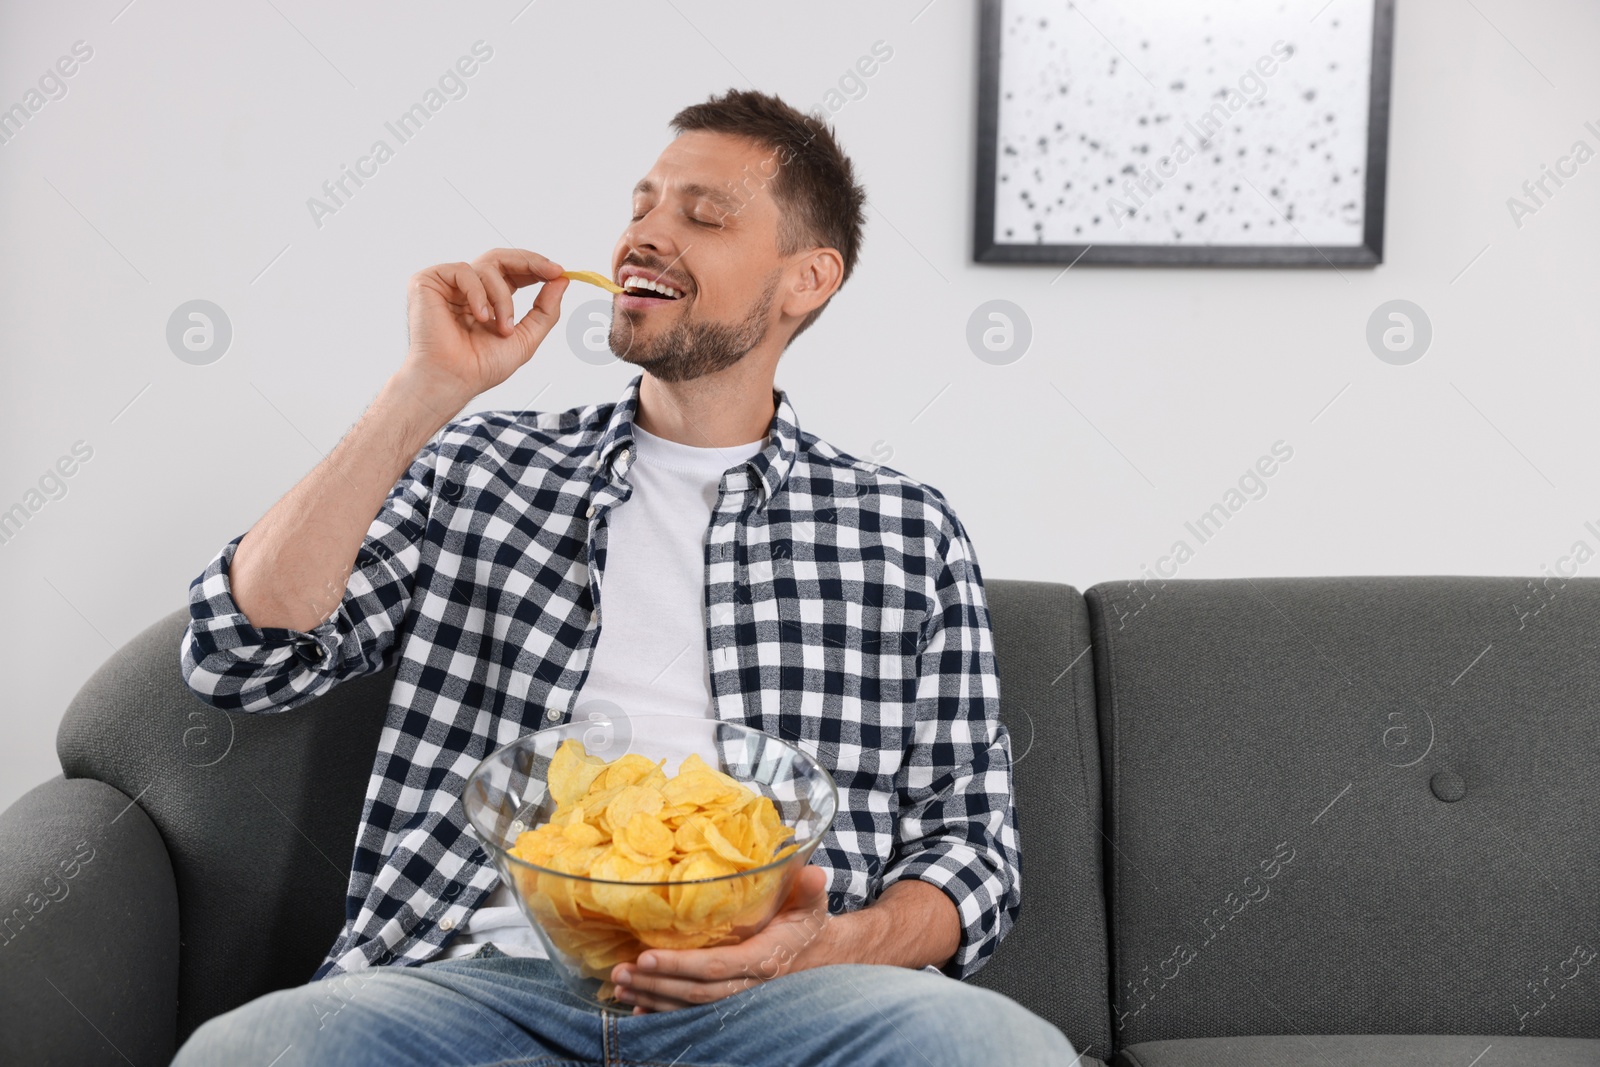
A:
[700,964]
[810,883]
[499,299]
[654,1001]
[518,266]
[683,991]
[465,287]
[721,964]
[545,312]
[506,270]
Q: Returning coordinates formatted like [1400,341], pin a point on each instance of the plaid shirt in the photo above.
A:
[845,614]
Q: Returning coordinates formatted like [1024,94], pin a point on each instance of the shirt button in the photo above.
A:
[590,513]
[447,924]
[553,714]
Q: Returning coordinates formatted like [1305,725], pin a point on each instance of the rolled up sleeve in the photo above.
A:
[234,665]
[957,822]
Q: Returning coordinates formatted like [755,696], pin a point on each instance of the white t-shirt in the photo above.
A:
[651,653]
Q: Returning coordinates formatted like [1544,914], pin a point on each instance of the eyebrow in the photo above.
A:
[693,189]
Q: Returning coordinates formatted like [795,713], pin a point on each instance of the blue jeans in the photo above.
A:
[493,1009]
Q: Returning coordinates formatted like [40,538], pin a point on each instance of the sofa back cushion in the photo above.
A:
[1053,961]
[1351,805]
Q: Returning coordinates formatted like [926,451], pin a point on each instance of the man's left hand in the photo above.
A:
[795,940]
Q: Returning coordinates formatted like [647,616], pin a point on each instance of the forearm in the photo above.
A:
[911,924]
[290,570]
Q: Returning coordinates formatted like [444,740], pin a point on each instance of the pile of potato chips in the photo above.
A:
[626,821]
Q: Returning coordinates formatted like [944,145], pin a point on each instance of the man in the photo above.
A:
[747,570]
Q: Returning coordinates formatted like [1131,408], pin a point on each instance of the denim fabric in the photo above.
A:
[494,1009]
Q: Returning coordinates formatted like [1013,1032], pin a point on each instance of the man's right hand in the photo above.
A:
[293,566]
[463,339]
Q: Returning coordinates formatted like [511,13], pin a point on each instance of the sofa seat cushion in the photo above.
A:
[1362,1050]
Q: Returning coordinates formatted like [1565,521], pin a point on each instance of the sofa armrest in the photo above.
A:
[88,929]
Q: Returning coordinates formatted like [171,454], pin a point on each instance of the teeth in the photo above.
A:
[640,282]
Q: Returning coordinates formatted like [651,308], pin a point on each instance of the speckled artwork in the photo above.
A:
[1156,122]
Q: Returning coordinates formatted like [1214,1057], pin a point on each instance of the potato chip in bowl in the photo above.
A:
[672,833]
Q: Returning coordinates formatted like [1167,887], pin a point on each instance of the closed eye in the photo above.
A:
[697,222]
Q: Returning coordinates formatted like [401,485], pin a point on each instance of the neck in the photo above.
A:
[714,411]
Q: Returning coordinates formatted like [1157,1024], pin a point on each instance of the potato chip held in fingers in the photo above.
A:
[593,278]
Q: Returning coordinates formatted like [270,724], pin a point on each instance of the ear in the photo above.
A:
[813,281]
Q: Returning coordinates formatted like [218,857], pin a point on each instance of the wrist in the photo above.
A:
[844,939]
[911,924]
[857,936]
[421,405]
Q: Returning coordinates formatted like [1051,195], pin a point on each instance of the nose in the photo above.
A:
[649,236]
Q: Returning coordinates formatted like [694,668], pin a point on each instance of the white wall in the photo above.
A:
[178,165]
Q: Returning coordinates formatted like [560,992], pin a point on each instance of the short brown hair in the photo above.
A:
[820,204]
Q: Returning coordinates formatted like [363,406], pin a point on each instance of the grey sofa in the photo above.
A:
[1319,821]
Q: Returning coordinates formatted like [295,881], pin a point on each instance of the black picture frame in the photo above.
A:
[1369,253]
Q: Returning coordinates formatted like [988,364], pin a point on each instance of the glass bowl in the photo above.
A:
[588,925]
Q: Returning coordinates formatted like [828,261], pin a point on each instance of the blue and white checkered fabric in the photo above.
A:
[845,614]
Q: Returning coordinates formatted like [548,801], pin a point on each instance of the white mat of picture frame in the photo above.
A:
[1167,123]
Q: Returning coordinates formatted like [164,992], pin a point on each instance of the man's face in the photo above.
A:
[704,223]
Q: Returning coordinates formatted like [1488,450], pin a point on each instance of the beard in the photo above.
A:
[689,348]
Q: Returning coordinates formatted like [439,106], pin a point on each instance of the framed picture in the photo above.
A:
[1165,132]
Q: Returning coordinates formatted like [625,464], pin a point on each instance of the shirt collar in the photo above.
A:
[769,468]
